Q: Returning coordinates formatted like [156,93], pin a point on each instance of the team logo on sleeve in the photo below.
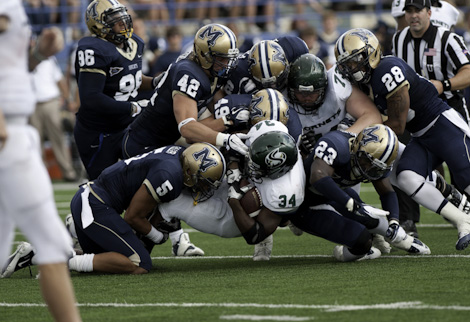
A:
[115,70]
[211,35]
[206,161]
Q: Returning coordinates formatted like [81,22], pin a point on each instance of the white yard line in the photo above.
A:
[416,305]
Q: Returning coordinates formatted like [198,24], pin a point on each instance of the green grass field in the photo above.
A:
[301,282]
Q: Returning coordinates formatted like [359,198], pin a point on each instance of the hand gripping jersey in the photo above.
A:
[333,110]
[285,194]
[240,80]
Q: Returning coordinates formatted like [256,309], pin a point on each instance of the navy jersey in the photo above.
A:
[334,148]
[103,108]
[240,80]
[393,73]
[157,125]
[160,170]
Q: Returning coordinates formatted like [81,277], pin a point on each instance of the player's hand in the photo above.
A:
[233,175]
[395,232]
[50,41]
[234,142]
[237,119]
[138,106]
[237,192]
[307,142]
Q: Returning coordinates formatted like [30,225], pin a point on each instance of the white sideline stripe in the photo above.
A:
[265,317]
[306,256]
[417,305]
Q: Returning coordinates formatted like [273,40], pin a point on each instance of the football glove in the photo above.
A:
[307,142]
[237,192]
[138,106]
[233,175]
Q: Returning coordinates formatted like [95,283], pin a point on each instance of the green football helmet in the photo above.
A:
[271,155]
[307,83]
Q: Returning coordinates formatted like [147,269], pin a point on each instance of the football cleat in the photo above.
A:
[342,254]
[378,241]
[184,247]
[409,243]
[463,242]
[70,225]
[21,258]
[263,249]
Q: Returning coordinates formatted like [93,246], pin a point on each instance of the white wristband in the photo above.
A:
[184,122]
[221,139]
[155,235]
[350,205]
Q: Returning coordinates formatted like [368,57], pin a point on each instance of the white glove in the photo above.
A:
[235,192]
[233,141]
[233,175]
[376,212]
[138,106]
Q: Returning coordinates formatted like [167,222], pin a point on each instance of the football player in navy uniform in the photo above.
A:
[410,101]
[339,161]
[183,93]
[136,186]
[108,66]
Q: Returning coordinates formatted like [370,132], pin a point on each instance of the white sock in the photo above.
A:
[175,236]
[82,263]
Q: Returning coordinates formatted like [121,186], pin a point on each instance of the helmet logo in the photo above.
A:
[369,135]
[278,54]
[206,161]
[211,35]
[275,158]
[361,36]
[92,12]
[255,110]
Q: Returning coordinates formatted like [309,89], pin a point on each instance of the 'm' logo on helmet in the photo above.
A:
[211,35]
[278,54]
[369,135]
[362,35]
[92,12]
[275,158]
[255,110]
[206,161]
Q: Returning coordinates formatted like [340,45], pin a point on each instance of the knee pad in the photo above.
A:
[410,182]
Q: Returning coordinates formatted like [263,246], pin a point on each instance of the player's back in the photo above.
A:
[157,123]
[425,105]
[160,170]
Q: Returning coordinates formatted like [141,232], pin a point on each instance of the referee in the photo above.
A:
[435,53]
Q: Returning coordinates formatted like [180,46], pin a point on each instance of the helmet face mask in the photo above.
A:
[215,47]
[357,53]
[308,82]
[268,65]
[102,17]
[374,151]
[203,170]
[271,155]
[269,104]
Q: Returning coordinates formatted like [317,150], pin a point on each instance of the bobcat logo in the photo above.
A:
[275,158]
[206,161]
[369,135]
[211,35]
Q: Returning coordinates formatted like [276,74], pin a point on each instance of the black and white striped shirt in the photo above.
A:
[438,55]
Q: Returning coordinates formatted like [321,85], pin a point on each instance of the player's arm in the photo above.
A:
[91,86]
[398,104]
[142,204]
[3,130]
[361,107]
[49,43]
[256,229]
[388,197]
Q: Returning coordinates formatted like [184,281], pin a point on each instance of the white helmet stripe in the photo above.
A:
[264,60]
[231,35]
[388,152]
[274,104]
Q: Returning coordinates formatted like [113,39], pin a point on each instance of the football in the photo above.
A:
[251,202]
